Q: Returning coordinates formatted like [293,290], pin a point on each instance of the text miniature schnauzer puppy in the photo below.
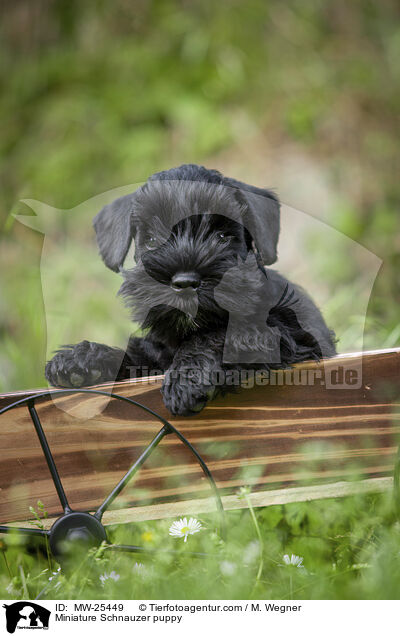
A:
[200,290]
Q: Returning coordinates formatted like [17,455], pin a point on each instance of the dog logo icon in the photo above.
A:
[26,615]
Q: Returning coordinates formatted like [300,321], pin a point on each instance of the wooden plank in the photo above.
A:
[261,499]
[304,430]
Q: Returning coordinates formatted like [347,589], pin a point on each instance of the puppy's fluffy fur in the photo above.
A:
[199,287]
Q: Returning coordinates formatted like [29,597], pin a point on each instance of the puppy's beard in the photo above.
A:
[150,301]
[170,324]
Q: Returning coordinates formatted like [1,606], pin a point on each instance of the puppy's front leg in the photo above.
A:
[190,380]
[90,363]
[86,363]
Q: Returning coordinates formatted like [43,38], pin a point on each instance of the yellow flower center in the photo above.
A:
[185,529]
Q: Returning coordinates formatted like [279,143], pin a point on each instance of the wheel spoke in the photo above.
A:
[29,531]
[49,457]
[142,550]
[131,472]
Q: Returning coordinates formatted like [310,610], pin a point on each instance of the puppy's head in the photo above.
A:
[190,226]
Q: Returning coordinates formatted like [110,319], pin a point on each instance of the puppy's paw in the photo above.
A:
[84,364]
[185,396]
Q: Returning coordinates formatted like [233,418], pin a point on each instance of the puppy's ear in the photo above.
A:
[262,217]
[114,231]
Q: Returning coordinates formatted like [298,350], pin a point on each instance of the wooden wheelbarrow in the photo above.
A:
[318,430]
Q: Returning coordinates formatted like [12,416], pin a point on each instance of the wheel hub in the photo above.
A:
[75,530]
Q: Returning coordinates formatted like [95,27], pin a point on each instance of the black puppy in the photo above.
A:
[200,288]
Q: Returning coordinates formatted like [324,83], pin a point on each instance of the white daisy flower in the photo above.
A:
[109,575]
[141,570]
[183,528]
[251,552]
[294,560]
[55,574]
[11,589]
[227,568]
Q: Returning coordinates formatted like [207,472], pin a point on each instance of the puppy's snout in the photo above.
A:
[184,280]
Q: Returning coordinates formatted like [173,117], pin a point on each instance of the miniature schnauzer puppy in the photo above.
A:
[199,289]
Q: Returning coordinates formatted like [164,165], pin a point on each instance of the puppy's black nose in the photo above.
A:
[183,280]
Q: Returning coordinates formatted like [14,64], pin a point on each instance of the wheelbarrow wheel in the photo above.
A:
[86,528]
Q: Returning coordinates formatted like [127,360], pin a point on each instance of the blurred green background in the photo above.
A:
[303,96]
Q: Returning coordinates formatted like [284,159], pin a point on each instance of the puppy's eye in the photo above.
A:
[224,238]
[151,243]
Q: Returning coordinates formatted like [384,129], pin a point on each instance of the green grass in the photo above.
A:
[350,549]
